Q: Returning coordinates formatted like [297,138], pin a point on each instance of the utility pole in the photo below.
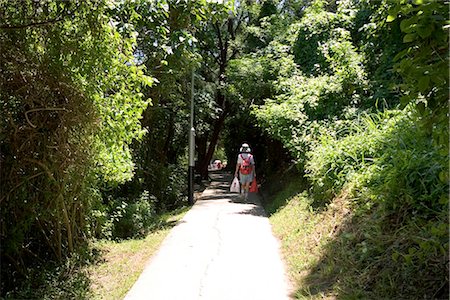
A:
[191,143]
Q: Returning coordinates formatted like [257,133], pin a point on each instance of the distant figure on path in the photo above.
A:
[246,168]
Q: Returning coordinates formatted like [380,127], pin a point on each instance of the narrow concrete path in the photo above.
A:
[223,249]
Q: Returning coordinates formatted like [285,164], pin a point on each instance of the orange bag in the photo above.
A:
[253,186]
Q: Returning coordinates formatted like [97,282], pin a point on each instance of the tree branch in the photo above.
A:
[231,29]
[238,25]
[212,54]
[63,15]
[53,21]
[205,47]
[219,36]
[40,109]
[233,55]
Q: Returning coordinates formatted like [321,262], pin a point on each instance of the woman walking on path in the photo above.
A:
[246,168]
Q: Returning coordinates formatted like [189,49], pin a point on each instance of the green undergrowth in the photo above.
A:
[370,220]
[106,270]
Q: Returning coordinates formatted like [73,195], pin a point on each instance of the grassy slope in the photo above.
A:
[341,252]
[303,233]
[122,262]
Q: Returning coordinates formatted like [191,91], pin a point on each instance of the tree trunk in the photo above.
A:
[218,125]
[169,154]
[223,42]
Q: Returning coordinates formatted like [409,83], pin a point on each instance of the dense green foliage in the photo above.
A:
[393,172]
[164,48]
[343,251]
[357,92]
[71,102]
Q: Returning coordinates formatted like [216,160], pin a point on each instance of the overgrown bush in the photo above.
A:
[69,280]
[338,159]
[382,227]
[168,184]
[388,159]
[70,98]
[131,218]
[398,180]
[130,210]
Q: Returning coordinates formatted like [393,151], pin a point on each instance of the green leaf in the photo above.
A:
[393,12]
[408,259]
[423,83]
[395,256]
[421,108]
[443,200]
[391,18]
[405,24]
[425,31]
[401,54]
[443,176]
[404,100]
[410,37]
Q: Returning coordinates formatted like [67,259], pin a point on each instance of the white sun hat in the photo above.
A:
[245,148]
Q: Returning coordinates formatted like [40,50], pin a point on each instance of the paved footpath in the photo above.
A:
[223,249]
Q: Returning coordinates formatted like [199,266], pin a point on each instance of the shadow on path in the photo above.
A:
[220,190]
[254,210]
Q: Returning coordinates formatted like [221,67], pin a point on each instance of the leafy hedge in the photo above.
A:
[374,223]
[388,162]
[388,154]
[71,99]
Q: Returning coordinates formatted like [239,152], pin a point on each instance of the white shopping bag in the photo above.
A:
[235,187]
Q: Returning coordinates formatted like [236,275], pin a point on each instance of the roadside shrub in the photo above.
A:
[397,178]
[338,159]
[387,159]
[129,210]
[128,218]
[168,184]
[70,98]
[176,192]
[382,228]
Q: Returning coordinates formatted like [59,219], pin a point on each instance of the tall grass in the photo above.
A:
[374,223]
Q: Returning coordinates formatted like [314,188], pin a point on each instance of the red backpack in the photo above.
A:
[246,166]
